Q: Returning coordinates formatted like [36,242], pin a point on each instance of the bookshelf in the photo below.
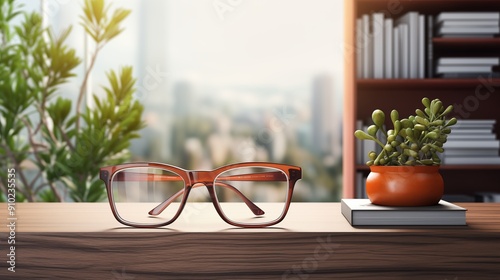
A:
[481,98]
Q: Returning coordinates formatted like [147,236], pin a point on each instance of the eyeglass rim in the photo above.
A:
[293,173]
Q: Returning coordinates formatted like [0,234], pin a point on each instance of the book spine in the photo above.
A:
[430,50]
[359,48]
[421,46]
[404,52]
[396,46]
[366,46]
[388,55]
[378,45]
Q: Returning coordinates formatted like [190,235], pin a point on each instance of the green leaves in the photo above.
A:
[97,24]
[415,140]
[40,129]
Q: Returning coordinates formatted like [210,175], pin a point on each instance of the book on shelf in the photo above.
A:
[411,20]
[421,47]
[442,69]
[359,48]
[391,47]
[459,152]
[361,212]
[468,75]
[457,136]
[465,16]
[378,45]
[404,62]
[388,51]
[478,144]
[467,24]
[475,122]
[402,47]
[363,147]
[468,30]
[454,23]
[366,38]
[396,53]
[430,47]
[360,185]
[468,61]
[471,160]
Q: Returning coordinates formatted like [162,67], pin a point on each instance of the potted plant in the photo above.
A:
[406,170]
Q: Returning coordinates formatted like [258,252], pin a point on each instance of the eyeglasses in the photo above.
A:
[251,195]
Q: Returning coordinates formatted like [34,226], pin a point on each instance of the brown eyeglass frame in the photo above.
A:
[195,178]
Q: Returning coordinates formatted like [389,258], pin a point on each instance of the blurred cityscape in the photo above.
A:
[228,86]
[203,128]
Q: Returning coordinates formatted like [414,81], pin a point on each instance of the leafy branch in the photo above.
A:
[57,150]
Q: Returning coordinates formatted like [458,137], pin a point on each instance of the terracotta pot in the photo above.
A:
[404,185]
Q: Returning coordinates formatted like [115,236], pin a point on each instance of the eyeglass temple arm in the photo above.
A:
[264,176]
[255,209]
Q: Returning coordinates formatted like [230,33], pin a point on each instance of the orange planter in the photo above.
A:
[404,185]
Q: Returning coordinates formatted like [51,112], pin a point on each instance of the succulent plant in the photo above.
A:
[415,140]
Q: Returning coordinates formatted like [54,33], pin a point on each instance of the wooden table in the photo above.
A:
[83,240]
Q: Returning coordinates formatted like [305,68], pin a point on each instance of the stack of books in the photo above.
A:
[360,212]
[467,24]
[467,67]
[472,142]
[390,48]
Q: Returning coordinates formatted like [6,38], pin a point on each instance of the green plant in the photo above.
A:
[55,147]
[415,140]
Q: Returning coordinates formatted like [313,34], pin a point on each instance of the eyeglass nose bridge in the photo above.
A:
[200,177]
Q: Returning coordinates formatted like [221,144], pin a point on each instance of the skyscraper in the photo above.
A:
[326,129]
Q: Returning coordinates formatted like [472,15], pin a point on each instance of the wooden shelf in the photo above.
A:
[425,6]
[423,84]
[473,98]
[466,46]
[83,240]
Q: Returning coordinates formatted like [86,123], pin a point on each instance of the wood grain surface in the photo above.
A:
[83,241]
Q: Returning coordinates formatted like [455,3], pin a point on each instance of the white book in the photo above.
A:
[468,75]
[468,30]
[483,144]
[441,69]
[368,146]
[378,45]
[361,212]
[388,46]
[468,61]
[359,144]
[464,16]
[471,152]
[396,46]
[471,160]
[450,23]
[465,131]
[471,137]
[430,48]
[404,66]
[359,48]
[470,35]
[421,46]
[475,122]
[360,185]
[411,20]
[366,47]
